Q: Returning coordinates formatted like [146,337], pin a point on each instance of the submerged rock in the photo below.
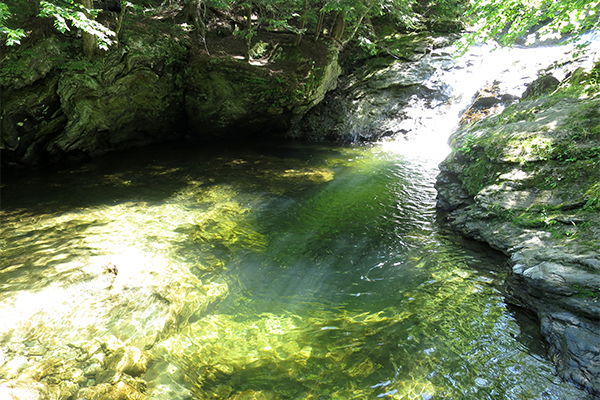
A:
[526,182]
[117,391]
[218,353]
[22,389]
[129,360]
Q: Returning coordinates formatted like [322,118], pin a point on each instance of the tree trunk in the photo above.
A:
[249,16]
[302,22]
[249,27]
[191,12]
[319,26]
[337,30]
[90,42]
[120,18]
[201,19]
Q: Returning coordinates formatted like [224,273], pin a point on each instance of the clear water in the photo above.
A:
[281,271]
[289,271]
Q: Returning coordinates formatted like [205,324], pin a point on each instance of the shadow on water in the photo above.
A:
[152,173]
[48,212]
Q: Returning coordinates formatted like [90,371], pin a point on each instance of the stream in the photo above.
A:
[256,271]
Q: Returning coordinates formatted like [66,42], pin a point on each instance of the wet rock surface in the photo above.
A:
[526,182]
[487,101]
[102,368]
[57,337]
[375,99]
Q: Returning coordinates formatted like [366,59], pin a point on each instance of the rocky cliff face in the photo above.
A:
[229,98]
[377,97]
[159,83]
[527,182]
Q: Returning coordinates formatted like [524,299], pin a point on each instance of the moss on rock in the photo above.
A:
[227,97]
[529,179]
[158,83]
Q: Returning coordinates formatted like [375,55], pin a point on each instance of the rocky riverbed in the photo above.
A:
[526,181]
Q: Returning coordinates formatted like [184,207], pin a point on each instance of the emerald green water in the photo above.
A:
[288,271]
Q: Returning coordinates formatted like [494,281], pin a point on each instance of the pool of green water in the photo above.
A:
[291,271]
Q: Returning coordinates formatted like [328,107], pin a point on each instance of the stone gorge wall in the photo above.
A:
[160,84]
[384,96]
[525,181]
[155,85]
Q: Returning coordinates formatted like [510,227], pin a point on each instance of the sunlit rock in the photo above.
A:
[22,390]
[488,101]
[529,175]
[111,344]
[92,369]
[166,381]
[385,97]
[188,300]
[543,85]
[15,366]
[129,360]
[36,349]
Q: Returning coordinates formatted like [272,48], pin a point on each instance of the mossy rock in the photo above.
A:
[545,84]
[532,177]
[225,98]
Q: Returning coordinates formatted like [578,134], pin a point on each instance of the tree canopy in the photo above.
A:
[67,15]
[341,20]
[10,36]
[509,20]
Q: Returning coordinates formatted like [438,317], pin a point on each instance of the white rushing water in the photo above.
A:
[511,69]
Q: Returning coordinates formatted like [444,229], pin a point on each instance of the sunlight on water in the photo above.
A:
[273,272]
[282,272]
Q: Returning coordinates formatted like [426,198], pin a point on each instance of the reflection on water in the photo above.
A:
[281,272]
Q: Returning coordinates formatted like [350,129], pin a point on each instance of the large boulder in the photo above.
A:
[526,182]
[228,97]
[377,97]
[543,85]
[63,105]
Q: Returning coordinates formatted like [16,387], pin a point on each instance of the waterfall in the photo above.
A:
[460,77]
